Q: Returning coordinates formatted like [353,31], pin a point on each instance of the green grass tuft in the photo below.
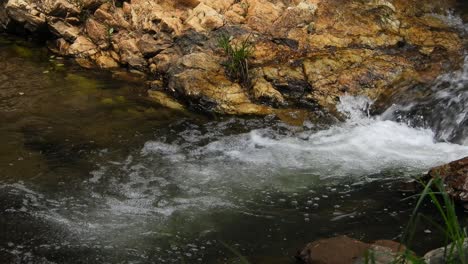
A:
[237,63]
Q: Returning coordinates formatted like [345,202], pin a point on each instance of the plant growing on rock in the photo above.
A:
[238,55]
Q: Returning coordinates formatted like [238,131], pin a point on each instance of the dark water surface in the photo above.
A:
[91,172]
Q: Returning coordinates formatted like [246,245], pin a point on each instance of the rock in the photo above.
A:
[150,46]
[358,71]
[298,16]
[455,178]
[262,14]
[204,18]
[201,78]
[82,47]
[129,52]
[59,46]
[106,62]
[63,29]
[97,32]
[263,90]
[437,256]
[164,100]
[60,8]
[112,16]
[25,13]
[307,53]
[345,250]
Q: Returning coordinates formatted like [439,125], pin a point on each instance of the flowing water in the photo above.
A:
[91,172]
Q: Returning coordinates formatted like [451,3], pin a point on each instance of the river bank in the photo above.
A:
[304,56]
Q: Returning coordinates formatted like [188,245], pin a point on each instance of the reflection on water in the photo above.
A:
[90,172]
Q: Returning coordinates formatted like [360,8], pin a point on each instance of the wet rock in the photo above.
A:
[165,100]
[201,77]
[455,178]
[345,250]
[438,256]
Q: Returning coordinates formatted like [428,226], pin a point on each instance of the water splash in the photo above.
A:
[443,108]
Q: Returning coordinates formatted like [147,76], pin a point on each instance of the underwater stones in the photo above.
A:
[345,250]
[455,178]
[165,100]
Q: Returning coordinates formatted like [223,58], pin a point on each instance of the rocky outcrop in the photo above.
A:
[345,250]
[455,178]
[306,54]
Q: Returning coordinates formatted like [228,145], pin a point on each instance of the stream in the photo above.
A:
[92,172]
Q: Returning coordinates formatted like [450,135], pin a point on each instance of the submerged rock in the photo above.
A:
[306,53]
[455,178]
[345,250]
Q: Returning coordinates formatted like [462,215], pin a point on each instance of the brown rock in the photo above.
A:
[97,31]
[165,100]
[82,47]
[345,250]
[25,13]
[64,30]
[204,18]
[455,178]
[263,90]
[106,62]
[60,8]
[150,46]
[202,79]
[262,14]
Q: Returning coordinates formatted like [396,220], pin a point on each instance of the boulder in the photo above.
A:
[25,13]
[345,250]
[438,256]
[455,178]
[201,77]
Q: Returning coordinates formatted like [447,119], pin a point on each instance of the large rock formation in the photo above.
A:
[307,52]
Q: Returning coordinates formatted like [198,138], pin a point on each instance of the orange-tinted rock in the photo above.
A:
[455,177]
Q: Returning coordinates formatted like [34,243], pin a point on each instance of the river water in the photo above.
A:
[92,172]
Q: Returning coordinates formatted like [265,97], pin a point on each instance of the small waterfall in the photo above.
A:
[443,107]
